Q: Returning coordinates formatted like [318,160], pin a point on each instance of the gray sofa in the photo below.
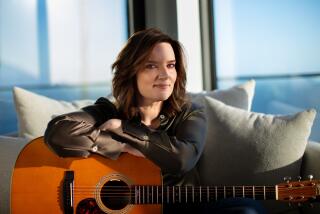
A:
[242,147]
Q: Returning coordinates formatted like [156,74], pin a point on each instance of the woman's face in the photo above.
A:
[158,75]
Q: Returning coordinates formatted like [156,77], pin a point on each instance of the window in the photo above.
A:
[61,49]
[275,42]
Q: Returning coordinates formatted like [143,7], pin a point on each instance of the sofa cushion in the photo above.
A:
[247,148]
[240,96]
[34,111]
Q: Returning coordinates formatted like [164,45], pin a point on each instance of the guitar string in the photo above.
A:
[258,194]
[219,192]
[133,195]
[196,187]
[204,192]
[126,191]
[124,188]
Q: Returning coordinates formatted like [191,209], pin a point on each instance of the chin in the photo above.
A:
[163,97]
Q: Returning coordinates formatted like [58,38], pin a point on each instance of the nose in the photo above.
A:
[163,73]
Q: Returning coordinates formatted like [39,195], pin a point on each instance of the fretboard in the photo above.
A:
[200,194]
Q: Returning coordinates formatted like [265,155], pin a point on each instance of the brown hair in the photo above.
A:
[131,59]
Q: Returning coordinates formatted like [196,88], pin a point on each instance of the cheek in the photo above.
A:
[174,76]
[143,82]
[140,85]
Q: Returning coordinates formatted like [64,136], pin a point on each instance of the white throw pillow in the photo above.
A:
[34,111]
[239,96]
[246,148]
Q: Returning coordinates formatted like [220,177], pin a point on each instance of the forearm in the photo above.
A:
[68,136]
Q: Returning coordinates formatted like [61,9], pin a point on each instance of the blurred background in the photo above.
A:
[64,49]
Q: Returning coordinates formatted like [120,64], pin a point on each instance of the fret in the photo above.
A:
[168,196]
[151,194]
[179,194]
[243,193]
[162,195]
[216,193]
[135,194]
[193,194]
[186,188]
[200,194]
[143,195]
[157,194]
[253,193]
[208,194]
[148,195]
[173,195]
[139,195]
[224,192]
[264,192]
[233,192]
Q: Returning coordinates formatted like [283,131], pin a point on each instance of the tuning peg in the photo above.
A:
[287,179]
[310,177]
[299,178]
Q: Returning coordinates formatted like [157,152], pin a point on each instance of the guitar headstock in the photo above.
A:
[299,191]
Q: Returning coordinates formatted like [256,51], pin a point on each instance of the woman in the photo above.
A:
[151,116]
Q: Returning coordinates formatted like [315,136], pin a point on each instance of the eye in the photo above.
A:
[151,66]
[171,65]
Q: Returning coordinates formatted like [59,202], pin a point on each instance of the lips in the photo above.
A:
[162,86]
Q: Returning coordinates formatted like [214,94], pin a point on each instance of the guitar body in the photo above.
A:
[38,179]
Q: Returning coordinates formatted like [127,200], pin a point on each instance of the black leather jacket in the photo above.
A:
[175,146]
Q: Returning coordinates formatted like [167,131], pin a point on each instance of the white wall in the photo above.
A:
[189,36]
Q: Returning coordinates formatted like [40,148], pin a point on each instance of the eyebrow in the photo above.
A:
[152,61]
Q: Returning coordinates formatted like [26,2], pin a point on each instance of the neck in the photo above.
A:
[201,194]
[149,113]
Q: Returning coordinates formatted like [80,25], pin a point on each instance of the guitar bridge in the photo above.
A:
[67,192]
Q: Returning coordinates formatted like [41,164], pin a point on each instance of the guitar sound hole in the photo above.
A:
[115,194]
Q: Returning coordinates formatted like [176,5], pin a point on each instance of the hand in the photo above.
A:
[129,149]
[110,125]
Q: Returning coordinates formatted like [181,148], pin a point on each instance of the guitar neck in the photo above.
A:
[200,194]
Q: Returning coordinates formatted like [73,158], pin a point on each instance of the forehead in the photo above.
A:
[162,51]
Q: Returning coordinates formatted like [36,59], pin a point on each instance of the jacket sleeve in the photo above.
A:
[77,133]
[174,153]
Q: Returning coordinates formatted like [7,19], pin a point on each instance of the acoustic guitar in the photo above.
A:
[42,182]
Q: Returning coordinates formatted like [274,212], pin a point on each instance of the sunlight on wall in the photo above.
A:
[189,36]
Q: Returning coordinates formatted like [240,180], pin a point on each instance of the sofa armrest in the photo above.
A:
[10,148]
[311,161]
